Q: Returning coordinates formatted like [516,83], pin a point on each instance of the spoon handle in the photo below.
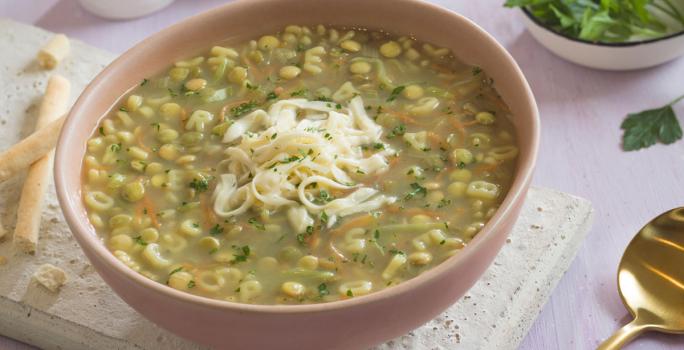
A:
[623,335]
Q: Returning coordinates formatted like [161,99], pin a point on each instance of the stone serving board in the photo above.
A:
[495,314]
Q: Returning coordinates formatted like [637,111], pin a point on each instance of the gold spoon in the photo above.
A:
[651,279]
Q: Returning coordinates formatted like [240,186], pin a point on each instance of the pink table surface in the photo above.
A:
[581,111]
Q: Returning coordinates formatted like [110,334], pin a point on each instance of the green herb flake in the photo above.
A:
[349,293]
[324,217]
[216,230]
[176,270]
[477,70]
[271,96]
[398,130]
[395,93]
[139,240]
[144,82]
[301,92]
[300,238]
[200,185]
[395,251]
[254,222]
[101,130]
[323,290]
[191,284]
[243,108]
[243,253]
[416,189]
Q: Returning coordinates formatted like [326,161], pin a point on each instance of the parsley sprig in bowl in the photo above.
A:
[607,34]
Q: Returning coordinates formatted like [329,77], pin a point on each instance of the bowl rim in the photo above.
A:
[625,44]
[90,242]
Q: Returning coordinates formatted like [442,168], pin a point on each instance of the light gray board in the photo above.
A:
[495,314]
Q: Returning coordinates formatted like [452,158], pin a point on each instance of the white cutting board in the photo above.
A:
[495,314]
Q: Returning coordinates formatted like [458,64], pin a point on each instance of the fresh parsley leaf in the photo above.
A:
[349,293]
[300,238]
[324,217]
[395,93]
[647,127]
[143,82]
[271,96]
[323,197]
[191,284]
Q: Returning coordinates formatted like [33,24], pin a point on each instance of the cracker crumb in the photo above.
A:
[50,277]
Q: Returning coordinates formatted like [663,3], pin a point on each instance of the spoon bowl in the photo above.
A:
[651,279]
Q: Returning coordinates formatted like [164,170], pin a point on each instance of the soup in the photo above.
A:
[311,165]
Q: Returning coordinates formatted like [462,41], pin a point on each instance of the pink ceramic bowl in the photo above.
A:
[350,324]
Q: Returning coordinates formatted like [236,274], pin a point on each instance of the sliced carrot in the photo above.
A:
[151,211]
[402,116]
[207,212]
[139,141]
[359,221]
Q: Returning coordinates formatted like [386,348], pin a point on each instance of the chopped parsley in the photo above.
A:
[338,106]
[156,126]
[443,203]
[115,147]
[300,238]
[395,251]
[323,99]
[243,108]
[139,240]
[477,70]
[243,253]
[323,197]
[251,87]
[349,293]
[176,270]
[416,189]
[271,96]
[379,146]
[254,222]
[323,290]
[191,284]
[123,109]
[324,217]
[395,93]
[101,130]
[398,130]
[301,92]
[216,230]
[273,137]
[199,185]
[144,82]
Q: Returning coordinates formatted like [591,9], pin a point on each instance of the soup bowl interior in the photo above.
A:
[353,323]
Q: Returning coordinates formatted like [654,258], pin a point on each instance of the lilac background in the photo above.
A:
[581,112]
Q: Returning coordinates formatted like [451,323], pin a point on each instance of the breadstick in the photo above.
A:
[30,149]
[54,51]
[40,172]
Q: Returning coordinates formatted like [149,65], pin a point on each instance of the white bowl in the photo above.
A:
[124,9]
[608,56]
